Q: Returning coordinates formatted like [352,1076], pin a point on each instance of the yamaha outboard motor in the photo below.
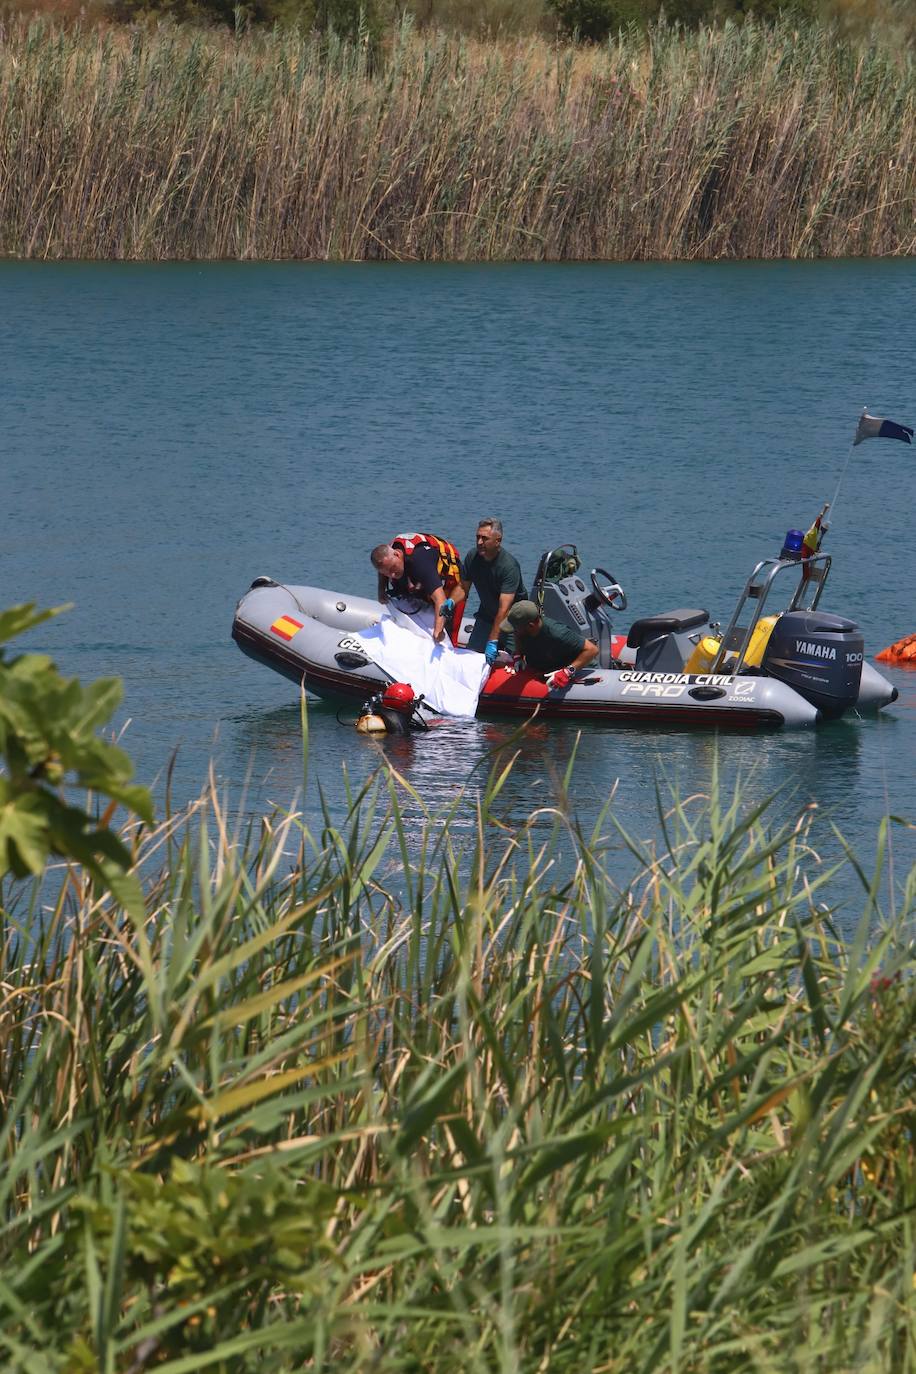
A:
[820,656]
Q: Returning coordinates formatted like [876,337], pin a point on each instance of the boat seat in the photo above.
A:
[670,622]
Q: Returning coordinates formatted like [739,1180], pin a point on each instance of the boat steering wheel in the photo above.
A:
[609,593]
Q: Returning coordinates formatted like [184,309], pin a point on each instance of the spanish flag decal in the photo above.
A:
[285,627]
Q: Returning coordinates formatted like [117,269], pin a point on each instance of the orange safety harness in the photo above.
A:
[449,559]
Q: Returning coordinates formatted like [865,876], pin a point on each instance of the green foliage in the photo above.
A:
[416,1107]
[213,1246]
[354,20]
[587,20]
[595,21]
[48,742]
[485,19]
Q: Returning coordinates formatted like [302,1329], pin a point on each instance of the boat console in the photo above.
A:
[656,643]
[561,592]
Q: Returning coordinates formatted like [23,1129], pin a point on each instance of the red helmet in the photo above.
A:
[398,696]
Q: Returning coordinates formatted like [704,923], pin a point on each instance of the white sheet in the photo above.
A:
[450,679]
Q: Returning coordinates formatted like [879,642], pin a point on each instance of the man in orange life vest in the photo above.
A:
[424,566]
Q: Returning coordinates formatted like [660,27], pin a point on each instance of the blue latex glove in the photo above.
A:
[447,610]
[491,651]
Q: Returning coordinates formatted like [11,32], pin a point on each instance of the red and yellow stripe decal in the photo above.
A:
[286,627]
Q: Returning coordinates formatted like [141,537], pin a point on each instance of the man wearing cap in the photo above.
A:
[497,579]
[558,651]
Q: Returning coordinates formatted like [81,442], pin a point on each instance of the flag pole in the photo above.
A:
[869,427]
[845,466]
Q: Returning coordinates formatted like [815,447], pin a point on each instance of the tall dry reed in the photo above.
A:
[740,141]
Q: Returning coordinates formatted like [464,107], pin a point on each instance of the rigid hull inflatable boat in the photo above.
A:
[790,668]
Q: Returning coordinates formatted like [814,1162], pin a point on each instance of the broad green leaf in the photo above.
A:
[18,619]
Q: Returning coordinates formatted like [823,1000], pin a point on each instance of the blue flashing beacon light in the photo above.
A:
[793,545]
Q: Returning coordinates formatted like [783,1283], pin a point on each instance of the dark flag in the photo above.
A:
[874,427]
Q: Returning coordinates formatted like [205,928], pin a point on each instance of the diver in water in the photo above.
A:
[396,711]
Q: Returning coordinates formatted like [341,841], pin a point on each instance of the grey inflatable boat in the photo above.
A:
[786,667]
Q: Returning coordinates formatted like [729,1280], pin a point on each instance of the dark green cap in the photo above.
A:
[522,613]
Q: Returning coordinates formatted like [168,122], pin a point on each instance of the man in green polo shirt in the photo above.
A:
[548,647]
[497,578]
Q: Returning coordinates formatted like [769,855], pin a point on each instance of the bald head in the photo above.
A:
[388,562]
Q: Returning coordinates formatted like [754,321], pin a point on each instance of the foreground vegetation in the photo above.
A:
[736,141]
[354,1101]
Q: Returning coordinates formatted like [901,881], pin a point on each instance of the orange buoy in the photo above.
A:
[903,651]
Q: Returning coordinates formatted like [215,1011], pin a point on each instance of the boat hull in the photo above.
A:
[311,636]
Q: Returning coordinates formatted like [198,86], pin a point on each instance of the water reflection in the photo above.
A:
[454,758]
[630,777]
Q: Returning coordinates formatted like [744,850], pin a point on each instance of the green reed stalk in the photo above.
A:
[375,1098]
[739,141]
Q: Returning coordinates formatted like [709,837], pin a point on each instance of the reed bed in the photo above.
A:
[355,1101]
[733,142]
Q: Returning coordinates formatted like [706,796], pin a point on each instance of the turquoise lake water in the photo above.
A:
[172,431]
